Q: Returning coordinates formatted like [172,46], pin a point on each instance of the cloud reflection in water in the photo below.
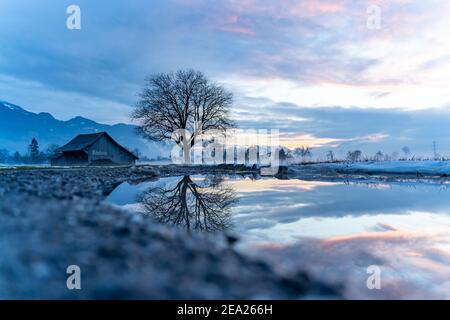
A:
[335,230]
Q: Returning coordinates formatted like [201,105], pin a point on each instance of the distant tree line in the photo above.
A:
[33,155]
[301,154]
[305,155]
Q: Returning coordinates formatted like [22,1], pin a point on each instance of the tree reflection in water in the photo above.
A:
[195,205]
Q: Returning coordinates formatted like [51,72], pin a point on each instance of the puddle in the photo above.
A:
[335,229]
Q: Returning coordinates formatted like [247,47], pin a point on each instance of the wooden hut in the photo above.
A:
[93,149]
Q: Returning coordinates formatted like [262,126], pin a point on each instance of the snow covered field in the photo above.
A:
[435,168]
[393,167]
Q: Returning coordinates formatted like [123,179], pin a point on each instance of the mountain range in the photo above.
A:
[19,126]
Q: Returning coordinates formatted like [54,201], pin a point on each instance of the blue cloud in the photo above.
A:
[97,71]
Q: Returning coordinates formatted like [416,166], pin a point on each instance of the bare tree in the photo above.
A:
[284,154]
[379,156]
[303,152]
[330,156]
[180,107]
[354,156]
[406,151]
[191,205]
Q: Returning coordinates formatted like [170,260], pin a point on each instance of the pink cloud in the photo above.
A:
[234,24]
[317,7]
[241,17]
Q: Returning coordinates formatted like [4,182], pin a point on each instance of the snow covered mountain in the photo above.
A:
[18,127]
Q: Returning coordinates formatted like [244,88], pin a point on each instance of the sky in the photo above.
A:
[318,70]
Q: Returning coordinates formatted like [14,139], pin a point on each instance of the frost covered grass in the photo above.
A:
[412,167]
[393,167]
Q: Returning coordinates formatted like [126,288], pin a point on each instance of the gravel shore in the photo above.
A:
[53,218]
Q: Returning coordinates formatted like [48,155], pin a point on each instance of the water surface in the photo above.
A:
[334,229]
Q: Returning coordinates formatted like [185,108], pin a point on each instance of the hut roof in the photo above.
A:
[83,141]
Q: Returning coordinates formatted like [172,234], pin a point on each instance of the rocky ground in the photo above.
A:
[53,218]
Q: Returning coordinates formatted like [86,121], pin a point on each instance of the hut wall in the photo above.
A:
[105,150]
[78,158]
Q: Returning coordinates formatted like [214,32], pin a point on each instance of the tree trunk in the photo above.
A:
[187,153]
